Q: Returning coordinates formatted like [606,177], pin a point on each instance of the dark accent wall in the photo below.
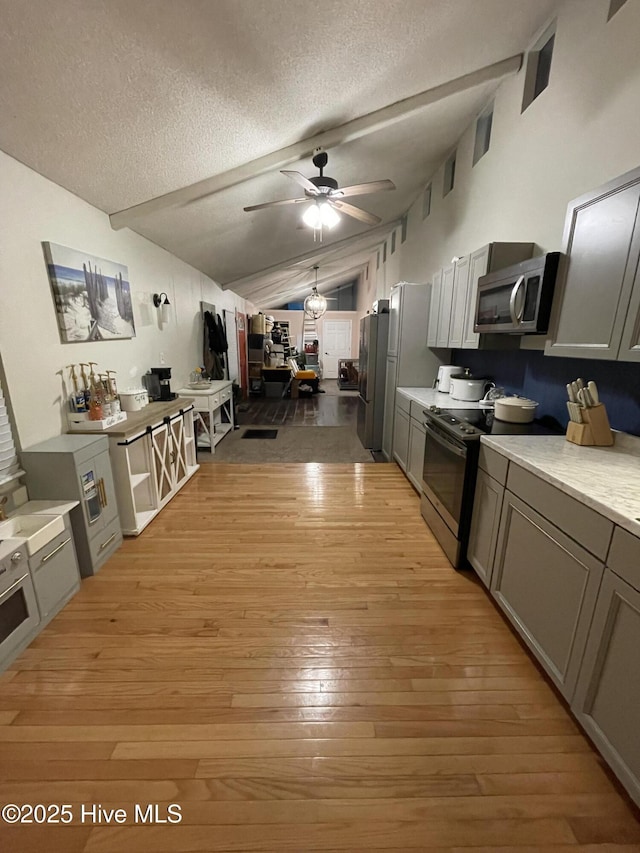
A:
[544,378]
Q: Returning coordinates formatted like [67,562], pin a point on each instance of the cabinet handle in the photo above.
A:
[55,550]
[110,539]
[103,493]
[173,455]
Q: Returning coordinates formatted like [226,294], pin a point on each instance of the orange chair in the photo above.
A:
[298,377]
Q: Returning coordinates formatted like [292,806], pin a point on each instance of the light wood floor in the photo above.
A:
[286,653]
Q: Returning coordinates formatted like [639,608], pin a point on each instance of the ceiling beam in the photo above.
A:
[304,280]
[347,247]
[355,129]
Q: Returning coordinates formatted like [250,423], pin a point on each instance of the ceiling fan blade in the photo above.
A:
[362,189]
[356,212]
[300,179]
[276,203]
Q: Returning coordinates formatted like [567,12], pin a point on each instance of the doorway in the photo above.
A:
[335,344]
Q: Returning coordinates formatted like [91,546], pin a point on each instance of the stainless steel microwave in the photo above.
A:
[517,300]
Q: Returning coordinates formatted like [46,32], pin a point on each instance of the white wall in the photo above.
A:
[583,130]
[296,325]
[34,210]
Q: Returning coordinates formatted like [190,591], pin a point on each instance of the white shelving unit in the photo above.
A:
[152,455]
[213,412]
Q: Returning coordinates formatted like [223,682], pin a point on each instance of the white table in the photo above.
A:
[211,405]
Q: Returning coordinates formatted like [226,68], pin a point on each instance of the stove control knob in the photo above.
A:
[17,557]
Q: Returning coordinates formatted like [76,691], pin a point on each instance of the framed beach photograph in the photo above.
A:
[92,295]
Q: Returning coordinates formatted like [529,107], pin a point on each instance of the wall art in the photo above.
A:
[92,295]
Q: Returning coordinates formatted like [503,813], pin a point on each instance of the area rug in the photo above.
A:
[293,444]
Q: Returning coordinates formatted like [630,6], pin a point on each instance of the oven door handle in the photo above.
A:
[5,594]
[450,446]
[516,317]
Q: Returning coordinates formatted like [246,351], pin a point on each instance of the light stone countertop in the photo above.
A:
[431,397]
[607,479]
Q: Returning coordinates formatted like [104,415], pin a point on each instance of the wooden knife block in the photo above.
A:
[594,431]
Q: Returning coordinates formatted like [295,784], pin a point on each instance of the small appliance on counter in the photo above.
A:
[134,399]
[443,379]
[469,388]
[517,300]
[156,381]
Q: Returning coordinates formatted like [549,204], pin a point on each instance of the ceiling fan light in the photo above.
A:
[312,216]
[328,215]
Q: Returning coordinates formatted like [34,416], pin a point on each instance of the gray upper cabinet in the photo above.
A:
[630,344]
[444,308]
[596,311]
[478,265]
[460,288]
[434,311]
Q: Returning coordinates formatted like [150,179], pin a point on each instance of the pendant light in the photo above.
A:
[315,304]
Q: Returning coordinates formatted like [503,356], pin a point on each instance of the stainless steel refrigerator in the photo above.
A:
[374,332]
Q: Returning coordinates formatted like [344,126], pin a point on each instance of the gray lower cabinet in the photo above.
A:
[547,586]
[596,310]
[389,408]
[607,697]
[415,456]
[78,467]
[485,523]
[401,437]
[55,574]
[487,506]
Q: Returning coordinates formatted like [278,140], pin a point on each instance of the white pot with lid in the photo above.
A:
[470,388]
[515,410]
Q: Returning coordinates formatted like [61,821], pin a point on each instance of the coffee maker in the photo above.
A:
[157,384]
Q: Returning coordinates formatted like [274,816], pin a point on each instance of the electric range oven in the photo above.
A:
[19,616]
[452,446]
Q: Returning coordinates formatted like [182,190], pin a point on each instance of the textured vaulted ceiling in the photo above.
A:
[122,102]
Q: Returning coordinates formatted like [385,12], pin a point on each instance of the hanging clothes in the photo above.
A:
[215,346]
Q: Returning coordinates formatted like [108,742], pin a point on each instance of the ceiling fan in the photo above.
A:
[326,197]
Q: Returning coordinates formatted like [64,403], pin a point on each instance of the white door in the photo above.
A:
[336,344]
